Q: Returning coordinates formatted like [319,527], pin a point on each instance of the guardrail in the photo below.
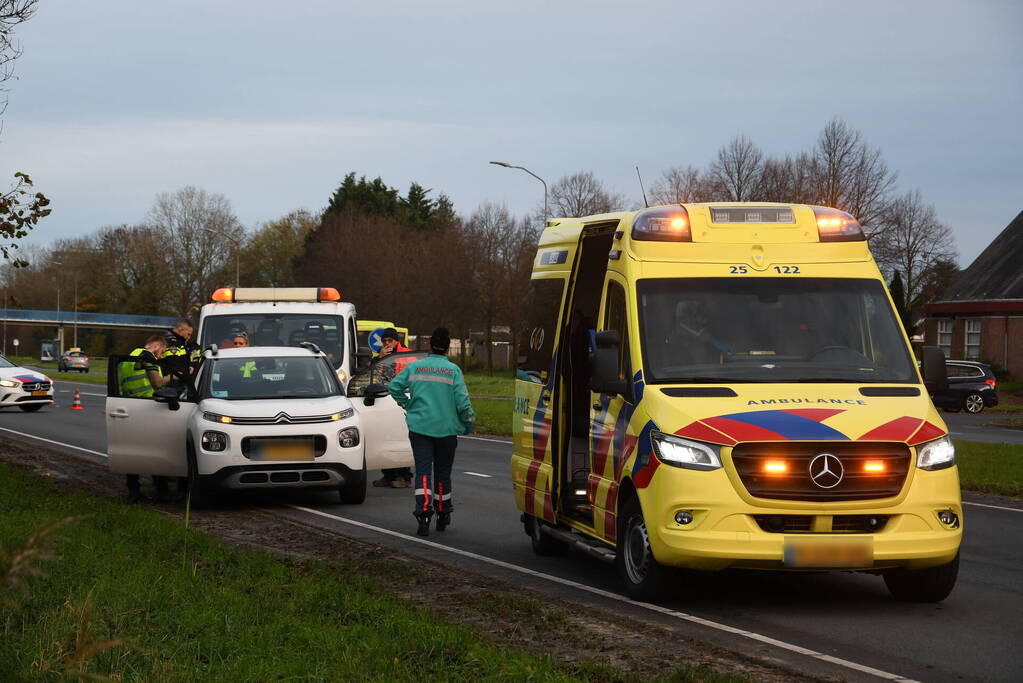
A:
[12,315]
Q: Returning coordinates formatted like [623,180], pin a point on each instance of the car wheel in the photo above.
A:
[32,408]
[923,585]
[645,578]
[354,491]
[543,545]
[973,403]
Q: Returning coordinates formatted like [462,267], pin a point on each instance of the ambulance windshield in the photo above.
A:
[277,329]
[770,330]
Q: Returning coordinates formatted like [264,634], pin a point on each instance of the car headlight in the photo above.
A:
[214,441]
[343,415]
[9,383]
[679,452]
[214,417]
[348,438]
[936,455]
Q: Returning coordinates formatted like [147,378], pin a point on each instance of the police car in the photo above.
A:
[27,389]
[257,418]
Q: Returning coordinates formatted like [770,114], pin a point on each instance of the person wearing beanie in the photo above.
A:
[437,410]
[395,477]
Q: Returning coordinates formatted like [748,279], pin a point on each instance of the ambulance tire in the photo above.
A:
[354,490]
[198,494]
[644,577]
[543,545]
[923,585]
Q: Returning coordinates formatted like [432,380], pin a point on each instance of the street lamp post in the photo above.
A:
[522,168]
[237,250]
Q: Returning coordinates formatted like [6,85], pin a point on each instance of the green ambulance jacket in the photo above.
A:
[438,404]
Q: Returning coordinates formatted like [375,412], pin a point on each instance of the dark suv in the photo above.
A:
[971,386]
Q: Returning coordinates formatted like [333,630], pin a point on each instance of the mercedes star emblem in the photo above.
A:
[826,471]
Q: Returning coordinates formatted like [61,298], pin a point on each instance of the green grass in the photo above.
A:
[97,369]
[133,595]
[493,417]
[990,467]
[480,383]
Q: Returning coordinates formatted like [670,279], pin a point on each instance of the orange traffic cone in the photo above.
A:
[77,403]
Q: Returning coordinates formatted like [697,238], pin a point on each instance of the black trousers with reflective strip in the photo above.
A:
[434,458]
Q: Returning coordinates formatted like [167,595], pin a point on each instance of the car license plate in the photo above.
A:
[829,553]
[39,393]
[286,450]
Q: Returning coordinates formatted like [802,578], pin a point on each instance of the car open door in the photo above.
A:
[144,436]
[383,421]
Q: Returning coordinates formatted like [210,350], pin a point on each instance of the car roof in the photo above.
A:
[264,352]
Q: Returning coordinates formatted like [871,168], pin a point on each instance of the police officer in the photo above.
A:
[438,410]
[139,378]
[395,477]
[182,353]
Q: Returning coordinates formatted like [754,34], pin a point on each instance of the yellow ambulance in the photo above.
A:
[727,385]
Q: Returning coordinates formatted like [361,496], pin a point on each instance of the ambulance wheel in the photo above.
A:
[354,490]
[31,408]
[543,545]
[198,494]
[923,585]
[644,577]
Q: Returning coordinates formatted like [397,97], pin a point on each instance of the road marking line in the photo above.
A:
[83,393]
[481,438]
[620,598]
[58,443]
[993,507]
[477,474]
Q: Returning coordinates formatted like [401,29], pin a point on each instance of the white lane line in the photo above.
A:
[83,393]
[57,443]
[993,507]
[477,474]
[620,598]
[483,438]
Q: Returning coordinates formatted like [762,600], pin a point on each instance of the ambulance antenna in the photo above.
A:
[645,202]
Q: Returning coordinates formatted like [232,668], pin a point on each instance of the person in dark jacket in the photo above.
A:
[437,411]
[395,477]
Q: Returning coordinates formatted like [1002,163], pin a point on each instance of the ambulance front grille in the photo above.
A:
[855,483]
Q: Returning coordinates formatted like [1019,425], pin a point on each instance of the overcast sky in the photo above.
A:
[272,103]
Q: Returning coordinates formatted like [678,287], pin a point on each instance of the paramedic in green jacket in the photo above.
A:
[438,410]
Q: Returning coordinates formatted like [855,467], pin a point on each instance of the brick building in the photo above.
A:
[980,317]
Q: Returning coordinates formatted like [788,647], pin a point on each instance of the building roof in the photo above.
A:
[997,274]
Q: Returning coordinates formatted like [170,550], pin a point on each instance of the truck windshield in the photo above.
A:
[700,330]
[275,378]
[278,329]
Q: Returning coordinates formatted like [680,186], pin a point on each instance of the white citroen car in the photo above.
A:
[261,417]
[27,389]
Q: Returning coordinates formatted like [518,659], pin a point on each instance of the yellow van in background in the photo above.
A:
[727,385]
[365,329]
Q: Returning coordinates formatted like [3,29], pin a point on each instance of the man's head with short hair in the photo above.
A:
[156,345]
[183,328]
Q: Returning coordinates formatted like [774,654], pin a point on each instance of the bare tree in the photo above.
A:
[913,241]
[581,194]
[736,171]
[680,185]
[849,175]
[197,230]
[785,180]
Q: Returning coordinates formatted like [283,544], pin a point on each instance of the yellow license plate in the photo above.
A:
[829,553]
[286,450]
[39,393]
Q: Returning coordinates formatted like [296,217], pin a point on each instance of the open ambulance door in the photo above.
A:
[144,436]
[534,424]
[384,431]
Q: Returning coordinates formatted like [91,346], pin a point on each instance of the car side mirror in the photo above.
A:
[606,373]
[168,395]
[934,369]
[372,392]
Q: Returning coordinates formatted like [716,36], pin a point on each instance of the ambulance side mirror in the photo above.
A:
[935,370]
[606,378]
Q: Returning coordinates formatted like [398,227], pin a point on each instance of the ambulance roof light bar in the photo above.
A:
[299,294]
[837,226]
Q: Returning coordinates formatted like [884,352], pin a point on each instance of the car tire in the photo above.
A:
[543,545]
[973,403]
[32,408]
[198,493]
[644,577]
[923,585]
[354,492]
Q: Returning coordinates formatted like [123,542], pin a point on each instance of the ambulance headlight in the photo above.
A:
[936,455]
[679,452]
[348,438]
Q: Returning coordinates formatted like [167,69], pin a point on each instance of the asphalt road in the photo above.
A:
[974,635]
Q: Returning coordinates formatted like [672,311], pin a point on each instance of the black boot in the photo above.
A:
[424,523]
[443,520]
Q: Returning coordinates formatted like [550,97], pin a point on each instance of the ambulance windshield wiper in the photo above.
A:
[718,380]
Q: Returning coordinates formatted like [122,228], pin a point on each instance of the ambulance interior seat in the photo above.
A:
[268,333]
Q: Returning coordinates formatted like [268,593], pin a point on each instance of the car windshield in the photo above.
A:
[4,363]
[274,378]
[770,330]
[273,329]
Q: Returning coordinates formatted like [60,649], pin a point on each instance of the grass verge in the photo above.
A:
[132,595]
[97,369]
[990,467]
[493,417]
[480,383]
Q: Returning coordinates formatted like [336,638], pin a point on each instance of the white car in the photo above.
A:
[27,389]
[261,417]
